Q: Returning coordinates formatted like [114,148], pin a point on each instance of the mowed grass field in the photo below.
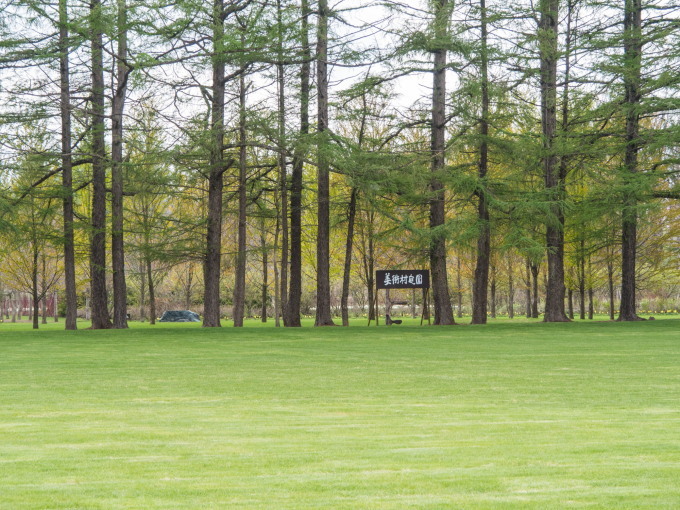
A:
[521,415]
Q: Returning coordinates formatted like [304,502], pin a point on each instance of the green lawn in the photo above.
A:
[521,415]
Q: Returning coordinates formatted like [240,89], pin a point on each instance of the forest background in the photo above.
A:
[264,158]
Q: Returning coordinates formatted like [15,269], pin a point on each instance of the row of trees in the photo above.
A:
[524,132]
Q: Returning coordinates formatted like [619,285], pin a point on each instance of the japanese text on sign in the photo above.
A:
[403,279]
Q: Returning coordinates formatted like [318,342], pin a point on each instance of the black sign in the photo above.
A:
[403,279]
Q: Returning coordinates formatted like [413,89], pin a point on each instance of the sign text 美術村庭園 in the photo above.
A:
[402,279]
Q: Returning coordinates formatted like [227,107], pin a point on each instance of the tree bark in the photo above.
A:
[275,264]
[152,292]
[493,294]
[265,273]
[35,310]
[554,185]
[481,283]
[582,282]
[610,282]
[511,290]
[368,262]
[240,283]
[292,315]
[443,312]
[283,174]
[117,241]
[323,285]
[213,253]
[99,297]
[142,291]
[459,293]
[67,171]
[632,55]
[570,303]
[43,288]
[534,304]
[527,290]
[351,216]
[14,310]
[187,288]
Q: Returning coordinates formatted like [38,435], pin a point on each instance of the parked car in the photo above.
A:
[179,316]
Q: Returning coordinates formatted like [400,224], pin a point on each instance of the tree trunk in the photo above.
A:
[213,253]
[67,171]
[117,108]
[292,316]
[610,281]
[368,259]
[582,283]
[43,288]
[511,290]
[373,309]
[152,293]
[265,273]
[534,304]
[99,297]
[443,313]
[459,293]
[481,283]
[35,310]
[323,285]
[493,294]
[554,300]
[187,289]
[240,283]
[632,55]
[43,305]
[570,303]
[142,292]
[527,290]
[283,177]
[348,256]
[275,263]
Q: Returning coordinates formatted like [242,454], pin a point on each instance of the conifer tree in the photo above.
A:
[443,312]
[98,292]
[323,285]
[554,182]
[67,168]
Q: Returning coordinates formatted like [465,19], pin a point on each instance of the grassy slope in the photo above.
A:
[498,416]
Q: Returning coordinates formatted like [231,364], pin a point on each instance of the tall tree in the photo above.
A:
[351,218]
[292,312]
[323,284]
[218,164]
[98,292]
[117,109]
[632,55]
[554,184]
[481,282]
[67,168]
[442,303]
[283,172]
[240,277]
